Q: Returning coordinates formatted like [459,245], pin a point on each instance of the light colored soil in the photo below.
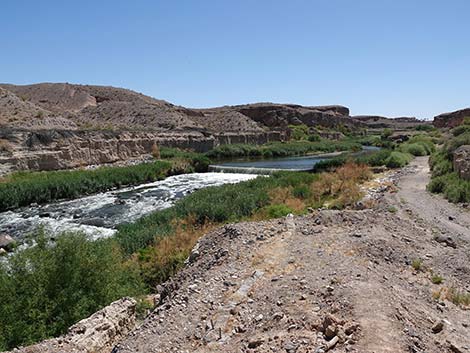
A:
[276,286]
[447,217]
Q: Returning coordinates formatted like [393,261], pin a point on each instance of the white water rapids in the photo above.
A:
[98,215]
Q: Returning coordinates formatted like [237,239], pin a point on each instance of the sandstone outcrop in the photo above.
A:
[59,149]
[380,122]
[451,119]
[52,126]
[461,161]
[96,334]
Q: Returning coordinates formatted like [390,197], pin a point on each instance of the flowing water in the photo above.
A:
[267,166]
[98,215]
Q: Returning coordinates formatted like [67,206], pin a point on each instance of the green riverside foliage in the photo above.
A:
[398,159]
[299,132]
[25,188]
[199,162]
[373,159]
[444,179]
[277,211]
[419,145]
[282,149]
[47,288]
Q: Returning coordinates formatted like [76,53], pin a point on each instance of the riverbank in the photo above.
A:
[25,188]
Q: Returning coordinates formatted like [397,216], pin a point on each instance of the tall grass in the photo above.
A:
[23,189]
[282,149]
[385,157]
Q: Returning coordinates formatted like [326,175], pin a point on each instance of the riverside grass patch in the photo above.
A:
[283,149]
[259,198]
[25,188]
[385,157]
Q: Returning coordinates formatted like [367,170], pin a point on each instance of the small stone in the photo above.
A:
[255,343]
[330,332]
[438,326]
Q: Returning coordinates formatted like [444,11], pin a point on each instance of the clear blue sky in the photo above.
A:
[390,57]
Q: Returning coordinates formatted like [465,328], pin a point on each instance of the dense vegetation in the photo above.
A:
[25,188]
[283,149]
[419,145]
[302,132]
[385,157]
[444,179]
[46,288]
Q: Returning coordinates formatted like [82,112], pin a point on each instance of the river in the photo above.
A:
[99,214]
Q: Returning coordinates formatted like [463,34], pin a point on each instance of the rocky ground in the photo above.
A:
[339,281]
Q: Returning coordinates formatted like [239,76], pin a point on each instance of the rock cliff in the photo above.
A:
[451,119]
[52,126]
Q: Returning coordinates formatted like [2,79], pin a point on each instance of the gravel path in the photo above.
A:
[447,217]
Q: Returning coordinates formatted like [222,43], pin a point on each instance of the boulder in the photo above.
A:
[461,157]
[97,334]
[6,242]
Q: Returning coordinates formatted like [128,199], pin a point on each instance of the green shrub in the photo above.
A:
[417,264]
[278,211]
[386,133]
[436,279]
[314,138]
[397,159]
[416,149]
[301,192]
[461,129]
[48,287]
[454,188]
[374,159]
[456,142]
[425,127]
[440,164]
[299,132]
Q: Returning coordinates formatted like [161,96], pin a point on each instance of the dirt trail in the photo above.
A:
[447,217]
